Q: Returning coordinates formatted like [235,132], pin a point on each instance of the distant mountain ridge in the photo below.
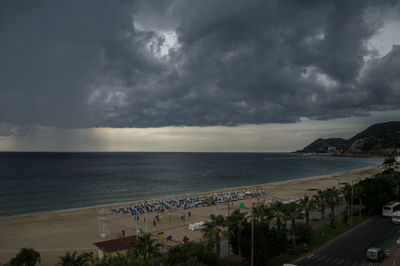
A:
[382,139]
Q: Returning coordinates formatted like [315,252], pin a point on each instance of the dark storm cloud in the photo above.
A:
[52,53]
[101,63]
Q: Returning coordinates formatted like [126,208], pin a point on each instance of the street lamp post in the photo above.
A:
[252,240]
[351,214]
[252,236]
[352,195]
[229,244]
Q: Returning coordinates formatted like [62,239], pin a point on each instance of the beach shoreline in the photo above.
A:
[183,195]
[54,233]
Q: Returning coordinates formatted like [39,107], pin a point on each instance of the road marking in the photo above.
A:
[340,261]
[315,257]
[322,258]
[310,256]
[334,261]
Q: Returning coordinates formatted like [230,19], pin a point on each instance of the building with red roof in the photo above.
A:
[114,245]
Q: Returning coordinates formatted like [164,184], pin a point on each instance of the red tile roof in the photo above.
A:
[116,244]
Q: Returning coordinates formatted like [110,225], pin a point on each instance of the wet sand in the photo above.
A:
[55,233]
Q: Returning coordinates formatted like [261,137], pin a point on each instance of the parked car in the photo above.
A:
[375,254]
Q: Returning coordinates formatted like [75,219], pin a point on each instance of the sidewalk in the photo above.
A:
[394,259]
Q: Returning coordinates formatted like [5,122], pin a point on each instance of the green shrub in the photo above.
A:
[345,217]
[304,232]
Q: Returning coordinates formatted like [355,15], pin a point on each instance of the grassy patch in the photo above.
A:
[320,237]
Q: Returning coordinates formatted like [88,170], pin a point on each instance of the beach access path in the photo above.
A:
[53,234]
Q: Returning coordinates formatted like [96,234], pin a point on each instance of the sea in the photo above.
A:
[34,182]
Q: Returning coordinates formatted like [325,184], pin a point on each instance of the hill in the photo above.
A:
[381,139]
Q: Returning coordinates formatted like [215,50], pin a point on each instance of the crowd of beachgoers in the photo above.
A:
[186,203]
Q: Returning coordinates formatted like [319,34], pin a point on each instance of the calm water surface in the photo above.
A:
[36,182]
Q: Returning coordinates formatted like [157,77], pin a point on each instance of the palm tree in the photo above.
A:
[346,191]
[359,189]
[235,223]
[212,230]
[307,204]
[278,211]
[146,246]
[262,214]
[71,260]
[332,198]
[293,212]
[320,199]
[26,257]
[395,180]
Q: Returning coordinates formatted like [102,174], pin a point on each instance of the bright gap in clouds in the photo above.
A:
[167,39]
[160,47]
[170,42]
[387,36]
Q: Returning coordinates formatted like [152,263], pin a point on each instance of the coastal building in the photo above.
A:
[331,149]
[113,246]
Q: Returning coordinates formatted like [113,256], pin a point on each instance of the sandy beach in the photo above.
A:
[55,233]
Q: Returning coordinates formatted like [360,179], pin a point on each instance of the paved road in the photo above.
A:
[351,248]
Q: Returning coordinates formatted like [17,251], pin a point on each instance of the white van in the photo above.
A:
[396,217]
[390,208]
[375,254]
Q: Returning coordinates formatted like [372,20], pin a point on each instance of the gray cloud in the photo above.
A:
[100,63]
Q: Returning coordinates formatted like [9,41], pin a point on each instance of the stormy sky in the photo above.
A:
[76,72]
